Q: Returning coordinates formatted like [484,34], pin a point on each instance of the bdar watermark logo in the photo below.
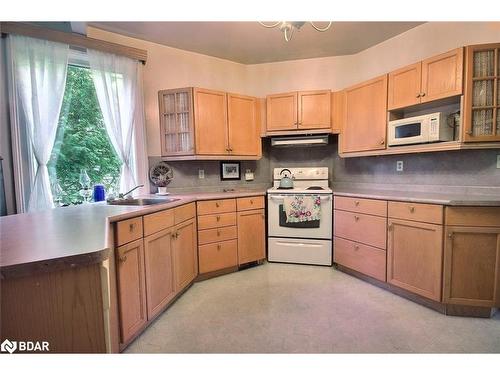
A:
[24,346]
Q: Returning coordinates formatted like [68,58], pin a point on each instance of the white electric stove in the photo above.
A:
[306,242]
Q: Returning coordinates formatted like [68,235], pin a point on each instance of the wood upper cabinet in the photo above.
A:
[282,112]
[414,257]
[481,117]
[131,289]
[185,254]
[251,236]
[314,109]
[243,127]
[159,270]
[337,110]
[210,113]
[434,78]
[365,117]
[442,75]
[405,86]
[299,110]
[472,266]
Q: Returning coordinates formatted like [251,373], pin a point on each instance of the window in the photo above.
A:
[82,142]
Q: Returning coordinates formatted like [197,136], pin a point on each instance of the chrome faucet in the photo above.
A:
[124,195]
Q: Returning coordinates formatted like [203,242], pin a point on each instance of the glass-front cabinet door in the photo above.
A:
[482,93]
[176,122]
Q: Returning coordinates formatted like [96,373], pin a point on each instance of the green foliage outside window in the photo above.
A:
[81,142]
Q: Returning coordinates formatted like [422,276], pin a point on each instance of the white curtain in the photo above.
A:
[117,81]
[38,79]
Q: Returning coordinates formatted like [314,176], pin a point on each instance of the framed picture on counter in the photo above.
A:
[230,170]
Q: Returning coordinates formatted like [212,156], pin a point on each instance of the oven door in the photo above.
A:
[408,133]
[277,226]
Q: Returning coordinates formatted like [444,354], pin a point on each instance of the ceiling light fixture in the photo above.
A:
[289,27]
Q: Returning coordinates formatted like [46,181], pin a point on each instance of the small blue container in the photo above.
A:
[99,193]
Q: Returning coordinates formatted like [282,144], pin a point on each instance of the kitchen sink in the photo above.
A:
[141,201]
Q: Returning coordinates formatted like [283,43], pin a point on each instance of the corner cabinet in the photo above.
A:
[204,124]
[299,111]
[365,116]
[482,93]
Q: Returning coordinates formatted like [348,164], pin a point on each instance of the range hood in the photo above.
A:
[300,140]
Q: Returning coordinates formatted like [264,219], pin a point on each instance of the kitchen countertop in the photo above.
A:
[76,235]
[446,199]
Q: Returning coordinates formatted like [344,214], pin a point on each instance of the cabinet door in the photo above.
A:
[210,122]
[159,271]
[185,254]
[314,109]
[338,105]
[176,122]
[251,236]
[481,107]
[282,112]
[442,75]
[244,134]
[404,86]
[365,116]
[472,266]
[414,257]
[131,289]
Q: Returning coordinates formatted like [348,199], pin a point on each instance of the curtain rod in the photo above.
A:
[72,39]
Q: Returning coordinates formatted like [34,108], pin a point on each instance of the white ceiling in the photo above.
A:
[251,43]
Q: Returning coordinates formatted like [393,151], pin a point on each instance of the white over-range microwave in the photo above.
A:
[432,127]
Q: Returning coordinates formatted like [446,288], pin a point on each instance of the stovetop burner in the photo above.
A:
[315,188]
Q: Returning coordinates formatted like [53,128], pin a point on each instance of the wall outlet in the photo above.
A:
[399,166]
[201,173]
[498,161]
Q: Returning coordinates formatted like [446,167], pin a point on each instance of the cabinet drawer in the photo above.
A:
[128,230]
[216,221]
[217,256]
[361,205]
[427,213]
[362,258]
[473,216]
[216,206]
[159,220]
[250,203]
[217,234]
[184,212]
[368,229]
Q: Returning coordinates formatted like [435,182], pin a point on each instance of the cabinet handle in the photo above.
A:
[412,209]
[123,258]
[176,235]
[218,233]
[382,141]
[422,94]
[356,247]
[173,236]
[356,218]
[217,204]
[218,218]
[356,203]
[251,201]
[218,247]
[450,235]
[418,95]
[131,227]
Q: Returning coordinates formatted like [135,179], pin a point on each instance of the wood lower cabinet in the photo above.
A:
[218,256]
[160,287]
[472,266]
[414,257]
[185,254]
[251,236]
[131,289]
[365,117]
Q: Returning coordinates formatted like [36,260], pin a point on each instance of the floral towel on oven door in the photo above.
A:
[300,208]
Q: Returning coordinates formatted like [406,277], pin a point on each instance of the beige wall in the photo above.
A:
[169,67]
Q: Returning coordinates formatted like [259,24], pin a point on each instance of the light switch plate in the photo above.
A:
[201,173]
[498,161]
[399,166]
